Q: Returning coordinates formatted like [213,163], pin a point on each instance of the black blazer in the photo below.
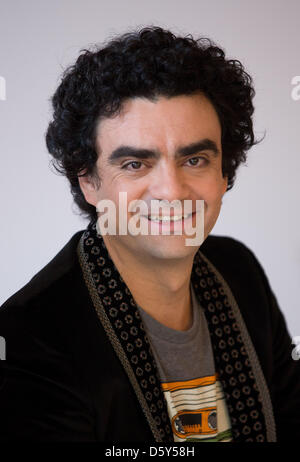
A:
[62,381]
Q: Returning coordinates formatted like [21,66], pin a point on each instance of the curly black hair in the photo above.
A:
[150,62]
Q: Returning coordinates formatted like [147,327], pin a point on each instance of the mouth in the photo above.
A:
[170,225]
[168,218]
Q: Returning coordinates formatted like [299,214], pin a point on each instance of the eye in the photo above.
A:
[134,164]
[195,161]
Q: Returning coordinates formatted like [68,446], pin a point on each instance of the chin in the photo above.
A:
[168,248]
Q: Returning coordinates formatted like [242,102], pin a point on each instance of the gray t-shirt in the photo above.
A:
[196,403]
[181,355]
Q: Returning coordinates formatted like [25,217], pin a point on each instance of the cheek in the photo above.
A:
[211,190]
[113,190]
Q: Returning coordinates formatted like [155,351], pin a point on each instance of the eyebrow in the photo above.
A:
[205,144]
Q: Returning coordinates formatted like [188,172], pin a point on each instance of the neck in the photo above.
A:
[160,287]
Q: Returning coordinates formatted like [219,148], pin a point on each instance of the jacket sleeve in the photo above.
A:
[285,378]
[40,394]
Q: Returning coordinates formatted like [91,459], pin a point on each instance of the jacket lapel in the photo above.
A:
[236,362]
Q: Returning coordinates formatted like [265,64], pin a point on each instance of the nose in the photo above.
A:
[169,184]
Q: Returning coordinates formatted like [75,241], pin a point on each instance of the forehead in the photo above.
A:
[164,123]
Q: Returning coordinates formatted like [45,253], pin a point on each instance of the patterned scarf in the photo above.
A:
[247,396]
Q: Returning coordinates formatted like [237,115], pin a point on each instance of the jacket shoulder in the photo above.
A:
[231,256]
[225,246]
[48,280]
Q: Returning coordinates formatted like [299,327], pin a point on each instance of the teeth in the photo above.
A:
[168,218]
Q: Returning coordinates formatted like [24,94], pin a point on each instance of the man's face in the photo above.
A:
[163,160]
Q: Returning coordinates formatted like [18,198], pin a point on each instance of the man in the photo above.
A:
[140,337]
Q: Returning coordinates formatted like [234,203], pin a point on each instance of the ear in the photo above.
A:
[225,184]
[89,188]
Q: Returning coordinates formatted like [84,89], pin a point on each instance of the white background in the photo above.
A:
[38,39]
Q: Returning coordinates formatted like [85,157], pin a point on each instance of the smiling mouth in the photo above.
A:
[168,218]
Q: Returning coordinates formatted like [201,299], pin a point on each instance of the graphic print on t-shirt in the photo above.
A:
[197,410]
